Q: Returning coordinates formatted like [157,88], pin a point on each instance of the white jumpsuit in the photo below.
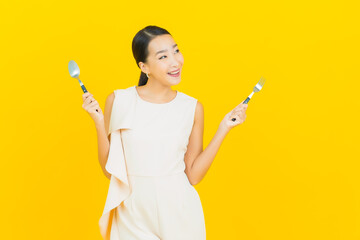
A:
[150,196]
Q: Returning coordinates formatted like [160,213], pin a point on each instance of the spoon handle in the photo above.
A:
[84,89]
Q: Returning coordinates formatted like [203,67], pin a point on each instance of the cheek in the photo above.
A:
[162,67]
[181,59]
[159,65]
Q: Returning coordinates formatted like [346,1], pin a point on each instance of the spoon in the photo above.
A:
[74,71]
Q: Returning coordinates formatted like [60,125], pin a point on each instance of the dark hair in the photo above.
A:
[140,45]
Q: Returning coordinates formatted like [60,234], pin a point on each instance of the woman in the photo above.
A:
[150,143]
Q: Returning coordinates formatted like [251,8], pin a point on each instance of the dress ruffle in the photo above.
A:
[122,116]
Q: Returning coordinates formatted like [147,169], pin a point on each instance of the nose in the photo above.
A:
[175,63]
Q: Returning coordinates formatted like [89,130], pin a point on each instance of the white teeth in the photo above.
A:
[175,72]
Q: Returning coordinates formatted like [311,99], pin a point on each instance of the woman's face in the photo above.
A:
[164,57]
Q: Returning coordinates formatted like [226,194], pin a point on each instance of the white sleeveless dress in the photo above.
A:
[150,196]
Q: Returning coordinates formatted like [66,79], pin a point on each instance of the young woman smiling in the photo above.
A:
[150,143]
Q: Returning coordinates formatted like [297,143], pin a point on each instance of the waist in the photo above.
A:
[150,168]
[158,182]
[170,174]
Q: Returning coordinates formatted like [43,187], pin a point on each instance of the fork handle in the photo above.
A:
[246,100]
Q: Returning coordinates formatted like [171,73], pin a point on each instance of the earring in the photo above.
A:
[147,75]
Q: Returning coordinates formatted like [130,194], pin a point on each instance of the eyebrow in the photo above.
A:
[164,50]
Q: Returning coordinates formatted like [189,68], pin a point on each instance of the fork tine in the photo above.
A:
[259,85]
[262,81]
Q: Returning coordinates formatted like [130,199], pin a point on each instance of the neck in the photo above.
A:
[157,91]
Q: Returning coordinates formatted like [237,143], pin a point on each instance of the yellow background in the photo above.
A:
[291,171]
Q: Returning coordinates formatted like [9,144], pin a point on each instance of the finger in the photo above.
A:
[93,103]
[85,95]
[240,111]
[89,95]
[242,106]
[242,118]
[91,107]
[239,117]
[88,103]
[89,100]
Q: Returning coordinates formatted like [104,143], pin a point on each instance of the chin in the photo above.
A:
[175,81]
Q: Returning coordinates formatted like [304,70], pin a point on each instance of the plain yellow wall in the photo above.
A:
[291,171]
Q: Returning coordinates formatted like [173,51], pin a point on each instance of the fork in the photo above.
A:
[257,88]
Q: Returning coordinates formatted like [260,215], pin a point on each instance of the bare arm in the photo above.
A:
[203,162]
[102,130]
[198,161]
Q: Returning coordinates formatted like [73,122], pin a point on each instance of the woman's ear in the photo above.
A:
[143,67]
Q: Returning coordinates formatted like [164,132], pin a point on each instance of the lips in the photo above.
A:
[174,72]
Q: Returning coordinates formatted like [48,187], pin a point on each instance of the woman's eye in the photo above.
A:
[177,50]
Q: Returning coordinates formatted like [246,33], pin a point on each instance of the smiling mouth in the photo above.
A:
[175,75]
[175,71]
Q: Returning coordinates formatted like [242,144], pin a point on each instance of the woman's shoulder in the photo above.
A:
[188,98]
[124,90]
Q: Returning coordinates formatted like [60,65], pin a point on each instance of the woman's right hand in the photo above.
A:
[91,105]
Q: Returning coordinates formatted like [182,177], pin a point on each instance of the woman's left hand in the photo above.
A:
[238,112]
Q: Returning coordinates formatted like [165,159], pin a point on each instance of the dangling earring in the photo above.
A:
[147,75]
